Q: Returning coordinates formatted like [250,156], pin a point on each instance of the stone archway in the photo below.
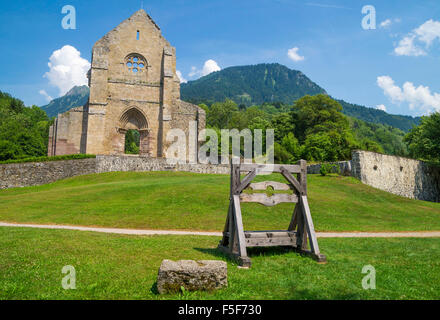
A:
[134,119]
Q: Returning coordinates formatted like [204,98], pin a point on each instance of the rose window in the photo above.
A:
[135,64]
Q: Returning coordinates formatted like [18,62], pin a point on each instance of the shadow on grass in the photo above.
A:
[154,289]
[252,252]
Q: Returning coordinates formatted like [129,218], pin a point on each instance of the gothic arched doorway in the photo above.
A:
[133,128]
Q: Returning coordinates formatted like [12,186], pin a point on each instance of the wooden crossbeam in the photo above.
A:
[246,181]
[277,186]
[269,201]
[291,180]
[268,168]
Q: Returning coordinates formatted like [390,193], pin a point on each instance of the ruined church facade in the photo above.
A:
[133,85]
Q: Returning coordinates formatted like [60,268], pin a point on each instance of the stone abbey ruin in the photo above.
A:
[133,86]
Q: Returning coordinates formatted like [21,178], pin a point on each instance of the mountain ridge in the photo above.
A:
[250,85]
[75,97]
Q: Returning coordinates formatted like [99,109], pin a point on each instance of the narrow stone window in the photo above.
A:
[137,35]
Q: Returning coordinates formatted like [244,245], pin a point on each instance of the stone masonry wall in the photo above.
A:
[16,175]
[402,176]
[134,163]
[344,168]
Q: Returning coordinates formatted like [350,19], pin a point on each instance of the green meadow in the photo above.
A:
[186,201]
[125,267]
[110,266]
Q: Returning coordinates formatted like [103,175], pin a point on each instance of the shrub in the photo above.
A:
[327,168]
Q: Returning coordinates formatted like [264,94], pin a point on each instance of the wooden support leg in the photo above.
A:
[227,228]
[310,230]
[242,252]
[301,241]
[294,221]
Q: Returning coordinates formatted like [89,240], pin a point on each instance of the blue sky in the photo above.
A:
[395,66]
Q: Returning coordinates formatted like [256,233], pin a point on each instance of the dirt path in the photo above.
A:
[408,234]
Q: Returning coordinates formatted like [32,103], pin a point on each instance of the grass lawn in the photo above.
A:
[125,267]
[179,201]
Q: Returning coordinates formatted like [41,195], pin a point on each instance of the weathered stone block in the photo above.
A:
[192,275]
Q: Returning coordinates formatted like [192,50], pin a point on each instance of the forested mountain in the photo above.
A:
[76,97]
[250,85]
[257,84]
[401,122]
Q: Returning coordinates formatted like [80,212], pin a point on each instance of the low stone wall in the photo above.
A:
[344,168]
[16,175]
[402,176]
[135,163]
[405,177]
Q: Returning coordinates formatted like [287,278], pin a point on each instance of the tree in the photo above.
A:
[322,129]
[424,140]
[132,142]
[283,125]
[221,113]
[23,131]
[320,113]
[204,107]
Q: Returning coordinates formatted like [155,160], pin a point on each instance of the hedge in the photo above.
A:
[45,159]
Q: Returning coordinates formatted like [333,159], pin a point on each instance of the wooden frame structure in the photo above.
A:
[235,240]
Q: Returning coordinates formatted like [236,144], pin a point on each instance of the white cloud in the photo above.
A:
[193,72]
[381,107]
[44,94]
[293,54]
[388,22]
[425,34]
[417,97]
[392,91]
[407,47]
[385,23]
[208,67]
[67,69]
[181,78]
[428,32]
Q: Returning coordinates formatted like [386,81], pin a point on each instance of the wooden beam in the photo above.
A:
[271,201]
[239,227]
[268,168]
[294,220]
[291,180]
[302,177]
[231,227]
[309,225]
[277,186]
[269,234]
[246,181]
[227,229]
[270,242]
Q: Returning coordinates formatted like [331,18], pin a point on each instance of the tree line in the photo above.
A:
[24,131]
[315,129]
